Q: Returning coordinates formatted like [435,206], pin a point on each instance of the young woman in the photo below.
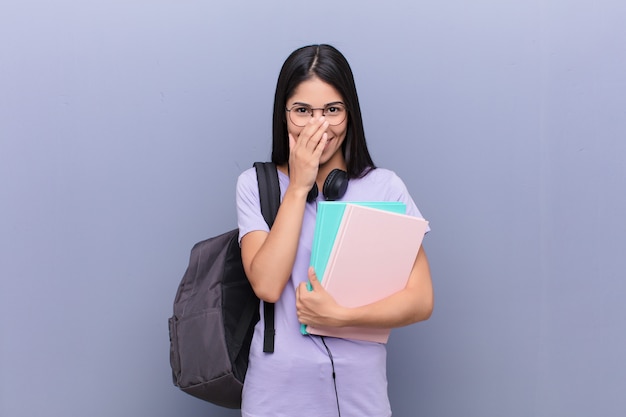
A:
[317,128]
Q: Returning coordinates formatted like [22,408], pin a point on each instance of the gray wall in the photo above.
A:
[123,127]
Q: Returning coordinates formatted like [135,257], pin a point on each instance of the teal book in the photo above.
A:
[329,215]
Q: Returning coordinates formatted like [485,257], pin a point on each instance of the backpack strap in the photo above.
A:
[269,196]
[269,190]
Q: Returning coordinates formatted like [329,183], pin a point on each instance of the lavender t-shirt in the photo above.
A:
[296,380]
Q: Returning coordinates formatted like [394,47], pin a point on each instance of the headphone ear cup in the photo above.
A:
[335,185]
[312,195]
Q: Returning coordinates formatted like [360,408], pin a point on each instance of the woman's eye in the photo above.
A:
[301,110]
[334,110]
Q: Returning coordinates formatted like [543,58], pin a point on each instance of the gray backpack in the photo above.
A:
[215,311]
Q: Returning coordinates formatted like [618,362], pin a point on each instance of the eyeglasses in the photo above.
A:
[300,114]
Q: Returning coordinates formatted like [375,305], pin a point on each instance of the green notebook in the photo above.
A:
[329,215]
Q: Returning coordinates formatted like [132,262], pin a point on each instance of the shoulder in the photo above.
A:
[383,177]
[379,184]
[247,176]
[247,191]
[247,181]
[249,216]
[380,173]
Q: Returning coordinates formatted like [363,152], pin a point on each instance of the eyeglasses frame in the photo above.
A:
[312,109]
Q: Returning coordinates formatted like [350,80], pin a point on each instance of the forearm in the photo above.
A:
[397,310]
[268,258]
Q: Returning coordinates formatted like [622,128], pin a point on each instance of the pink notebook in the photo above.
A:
[371,259]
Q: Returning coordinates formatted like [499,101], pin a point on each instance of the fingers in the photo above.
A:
[315,284]
[314,307]
[305,152]
[292,141]
[311,135]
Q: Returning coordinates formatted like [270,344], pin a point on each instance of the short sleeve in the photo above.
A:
[402,194]
[249,216]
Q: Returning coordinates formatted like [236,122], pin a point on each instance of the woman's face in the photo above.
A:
[317,94]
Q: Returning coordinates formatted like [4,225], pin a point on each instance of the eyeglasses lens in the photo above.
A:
[301,115]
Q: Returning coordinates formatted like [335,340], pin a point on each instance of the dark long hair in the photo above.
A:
[329,65]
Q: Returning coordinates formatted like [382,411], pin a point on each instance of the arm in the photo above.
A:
[268,258]
[412,304]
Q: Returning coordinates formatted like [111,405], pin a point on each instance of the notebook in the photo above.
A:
[372,257]
[329,215]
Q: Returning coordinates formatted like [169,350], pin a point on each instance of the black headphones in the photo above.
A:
[335,186]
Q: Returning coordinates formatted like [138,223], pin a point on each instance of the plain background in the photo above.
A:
[124,125]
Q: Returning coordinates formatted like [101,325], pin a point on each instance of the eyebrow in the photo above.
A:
[296,103]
